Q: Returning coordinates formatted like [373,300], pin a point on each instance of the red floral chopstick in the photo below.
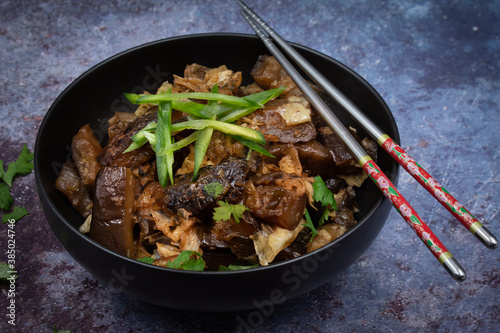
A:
[411,217]
[406,210]
[466,218]
[434,188]
[381,180]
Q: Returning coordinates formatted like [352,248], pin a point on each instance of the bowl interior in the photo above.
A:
[97,94]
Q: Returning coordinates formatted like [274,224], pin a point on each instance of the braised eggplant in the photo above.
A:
[238,204]
[112,215]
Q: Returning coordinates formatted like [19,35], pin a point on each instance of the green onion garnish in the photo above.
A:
[164,139]
[220,113]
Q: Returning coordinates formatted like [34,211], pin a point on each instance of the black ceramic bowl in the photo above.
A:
[95,95]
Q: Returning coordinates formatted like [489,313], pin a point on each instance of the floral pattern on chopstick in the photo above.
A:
[404,208]
[426,180]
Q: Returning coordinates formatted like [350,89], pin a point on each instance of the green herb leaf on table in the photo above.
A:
[4,271]
[214,189]
[5,197]
[60,331]
[16,214]
[22,166]
[225,210]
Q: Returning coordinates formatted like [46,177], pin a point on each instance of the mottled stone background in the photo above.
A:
[436,63]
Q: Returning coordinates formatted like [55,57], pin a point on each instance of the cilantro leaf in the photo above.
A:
[147,260]
[323,194]
[225,210]
[16,214]
[22,166]
[230,268]
[214,189]
[2,171]
[4,271]
[194,265]
[181,258]
[324,217]
[185,262]
[310,224]
[326,198]
[5,197]
[63,331]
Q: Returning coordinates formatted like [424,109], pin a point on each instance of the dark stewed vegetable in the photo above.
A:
[112,215]
[228,177]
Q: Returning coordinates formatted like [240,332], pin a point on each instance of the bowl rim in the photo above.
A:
[42,191]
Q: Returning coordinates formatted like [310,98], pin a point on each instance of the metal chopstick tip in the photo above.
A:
[454,269]
[486,237]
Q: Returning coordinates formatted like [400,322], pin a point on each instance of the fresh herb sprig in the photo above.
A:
[5,271]
[22,166]
[147,260]
[187,262]
[326,198]
[214,189]
[225,210]
[309,223]
[220,113]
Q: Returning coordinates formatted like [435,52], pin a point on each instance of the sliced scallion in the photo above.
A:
[164,139]
[139,139]
[233,100]
[218,114]
[179,144]
[204,135]
[260,97]
[252,145]
[231,129]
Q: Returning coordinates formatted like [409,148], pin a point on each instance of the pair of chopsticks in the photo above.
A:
[266,33]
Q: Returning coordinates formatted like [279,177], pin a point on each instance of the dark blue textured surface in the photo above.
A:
[437,65]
